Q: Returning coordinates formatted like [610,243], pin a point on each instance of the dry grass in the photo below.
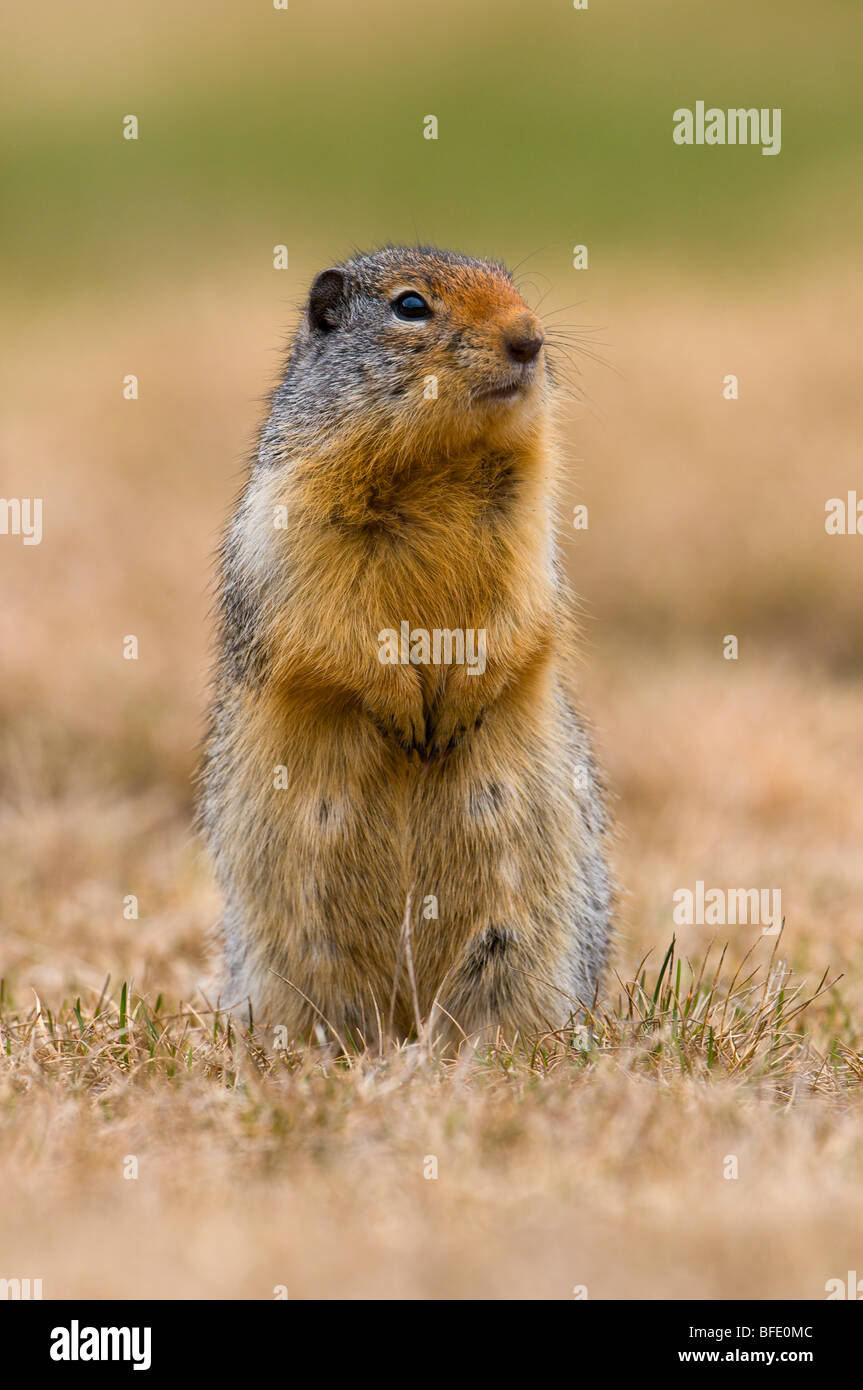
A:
[596,1156]
[593,1158]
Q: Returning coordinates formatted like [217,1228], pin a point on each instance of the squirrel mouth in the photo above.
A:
[506,392]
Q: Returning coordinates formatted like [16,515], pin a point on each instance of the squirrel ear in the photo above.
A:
[328,300]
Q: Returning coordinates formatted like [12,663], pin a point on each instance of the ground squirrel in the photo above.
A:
[393,718]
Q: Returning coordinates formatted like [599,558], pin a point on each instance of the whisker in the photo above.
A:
[575,350]
[537,252]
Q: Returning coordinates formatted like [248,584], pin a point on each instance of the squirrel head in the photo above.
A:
[408,354]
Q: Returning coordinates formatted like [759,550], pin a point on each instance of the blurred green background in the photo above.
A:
[304,126]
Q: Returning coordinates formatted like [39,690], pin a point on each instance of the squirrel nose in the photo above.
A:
[523,338]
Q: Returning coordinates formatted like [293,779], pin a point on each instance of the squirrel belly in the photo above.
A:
[397,791]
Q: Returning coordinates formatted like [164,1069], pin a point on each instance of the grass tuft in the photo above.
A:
[754,1022]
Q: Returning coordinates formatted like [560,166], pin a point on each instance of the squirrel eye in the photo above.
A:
[411,305]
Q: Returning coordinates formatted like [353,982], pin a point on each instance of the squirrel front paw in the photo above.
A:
[450,728]
[399,717]
[405,730]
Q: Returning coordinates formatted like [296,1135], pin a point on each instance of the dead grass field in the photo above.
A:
[599,1165]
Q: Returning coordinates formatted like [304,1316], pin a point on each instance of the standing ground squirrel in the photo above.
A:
[392,719]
